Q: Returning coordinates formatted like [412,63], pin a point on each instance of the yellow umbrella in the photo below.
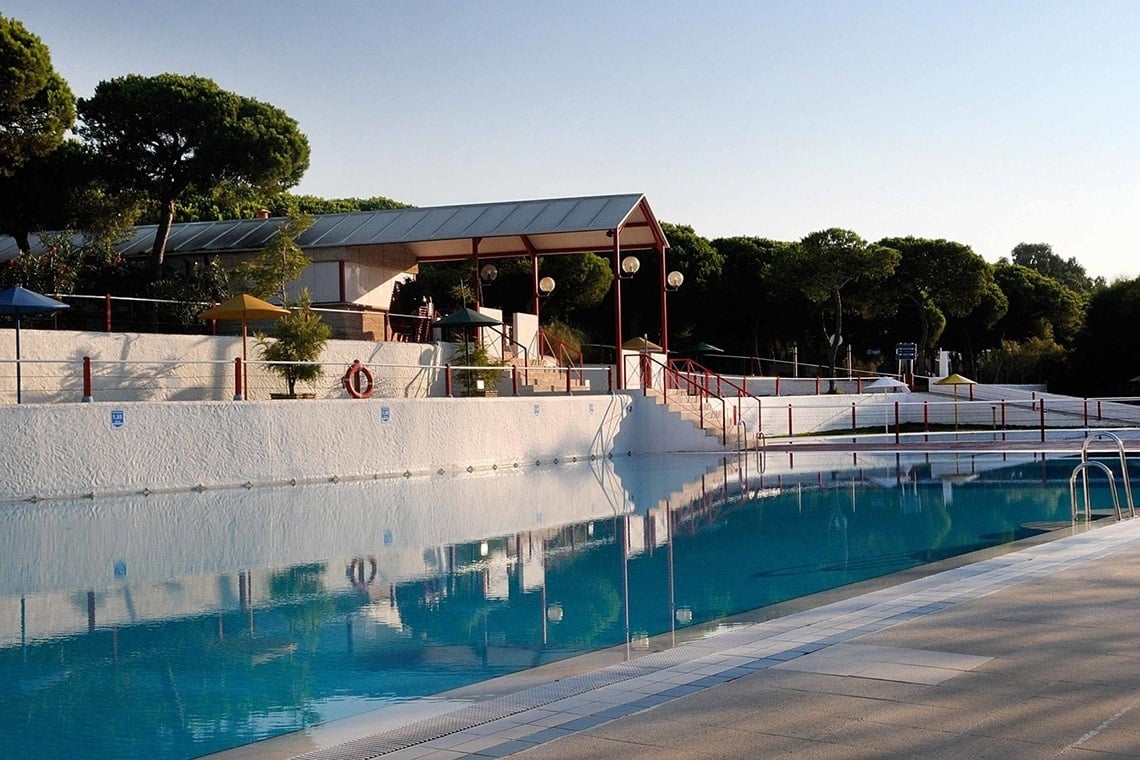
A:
[244,307]
[640,344]
[955,380]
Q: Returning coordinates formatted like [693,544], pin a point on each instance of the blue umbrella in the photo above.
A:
[20,302]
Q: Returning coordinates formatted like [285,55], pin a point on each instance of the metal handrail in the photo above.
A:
[1079,470]
[741,392]
[1123,466]
[704,391]
[564,354]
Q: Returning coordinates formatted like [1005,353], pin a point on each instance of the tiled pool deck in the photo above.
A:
[1029,654]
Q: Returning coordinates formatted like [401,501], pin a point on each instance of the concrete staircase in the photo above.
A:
[689,408]
[543,378]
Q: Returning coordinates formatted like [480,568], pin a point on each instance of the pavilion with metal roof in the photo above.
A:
[611,225]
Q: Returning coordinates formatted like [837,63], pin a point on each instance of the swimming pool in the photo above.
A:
[175,625]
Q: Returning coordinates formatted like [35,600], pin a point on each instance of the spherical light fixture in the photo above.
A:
[629,266]
[488,273]
[674,280]
[546,286]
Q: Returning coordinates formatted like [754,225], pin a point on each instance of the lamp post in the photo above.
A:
[545,287]
[624,268]
[487,274]
[673,282]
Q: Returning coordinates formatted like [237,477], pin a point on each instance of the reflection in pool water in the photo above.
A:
[176,625]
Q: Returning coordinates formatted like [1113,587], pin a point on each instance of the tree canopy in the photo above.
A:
[760,310]
[1039,306]
[167,134]
[935,278]
[828,263]
[1040,258]
[36,105]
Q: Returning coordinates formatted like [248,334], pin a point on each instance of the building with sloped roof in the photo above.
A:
[359,258]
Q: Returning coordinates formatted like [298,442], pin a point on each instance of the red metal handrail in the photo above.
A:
[565,355]
[692,386]
[691,366]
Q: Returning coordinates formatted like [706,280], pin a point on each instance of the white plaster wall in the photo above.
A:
[526,333]
[101,448]
[322,279]
[491,339]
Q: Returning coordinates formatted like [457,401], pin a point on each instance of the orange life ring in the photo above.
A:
[352,381]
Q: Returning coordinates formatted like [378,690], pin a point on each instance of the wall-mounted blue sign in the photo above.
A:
[118,418]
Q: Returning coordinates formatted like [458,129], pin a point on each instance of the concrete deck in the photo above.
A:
[1046,666]
[1025,654]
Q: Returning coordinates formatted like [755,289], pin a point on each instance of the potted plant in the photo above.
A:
[301,338]
[479,382]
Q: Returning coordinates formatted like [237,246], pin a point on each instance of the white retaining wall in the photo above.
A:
[103,448]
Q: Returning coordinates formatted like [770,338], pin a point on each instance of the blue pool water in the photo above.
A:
[179,625]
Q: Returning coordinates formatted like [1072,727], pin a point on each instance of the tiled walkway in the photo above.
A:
[815,683]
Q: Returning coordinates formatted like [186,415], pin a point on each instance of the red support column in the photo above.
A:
[664,303]
[476,283]
[107,311]
[896,422]
[617,310]
[239,389]
[789,419]
[87,379]
[447,380]
[534,286]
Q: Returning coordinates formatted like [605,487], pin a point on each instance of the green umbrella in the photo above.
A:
[465,318]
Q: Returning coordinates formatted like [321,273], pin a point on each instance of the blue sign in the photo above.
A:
[120,569]
[906,350]
[385,414]
[118,418]
[536,410]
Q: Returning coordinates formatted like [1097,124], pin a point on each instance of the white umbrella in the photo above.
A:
[887,385]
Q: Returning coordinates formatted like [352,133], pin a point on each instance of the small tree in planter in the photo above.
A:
[475,355]
[301,337]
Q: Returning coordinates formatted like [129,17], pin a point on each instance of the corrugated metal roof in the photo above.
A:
[565,223]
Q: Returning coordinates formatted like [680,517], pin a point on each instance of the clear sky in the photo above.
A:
[986,122]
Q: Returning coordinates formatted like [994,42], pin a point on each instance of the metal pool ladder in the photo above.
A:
[1080,470]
